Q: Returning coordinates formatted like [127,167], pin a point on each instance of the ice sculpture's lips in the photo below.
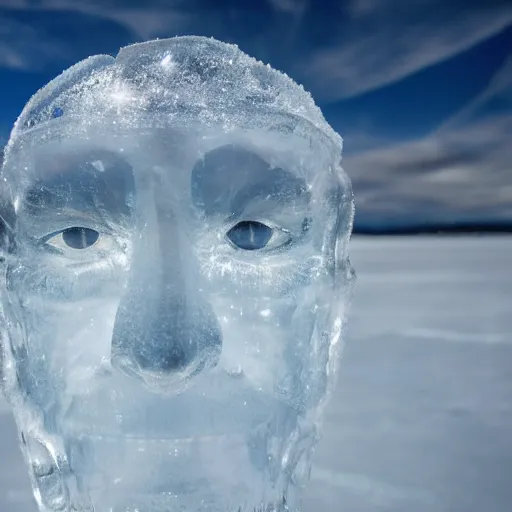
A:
[214,406]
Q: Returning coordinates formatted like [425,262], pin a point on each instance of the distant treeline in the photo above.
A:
[433,229]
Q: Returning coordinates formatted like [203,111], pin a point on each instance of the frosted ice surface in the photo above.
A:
[176,272]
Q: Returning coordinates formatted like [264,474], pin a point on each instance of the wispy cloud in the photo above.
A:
[27,45]
[290,6]
[461,172]
[497,96]
[145,19]
[365,44]
[24,47]
[383,42]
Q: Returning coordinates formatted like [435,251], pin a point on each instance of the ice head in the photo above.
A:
[175,277]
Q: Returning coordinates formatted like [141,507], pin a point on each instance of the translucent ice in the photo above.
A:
[176,275]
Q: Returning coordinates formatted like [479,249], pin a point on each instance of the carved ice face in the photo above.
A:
[176,276]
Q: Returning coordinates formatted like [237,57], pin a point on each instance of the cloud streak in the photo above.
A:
[29,46]
[366,44]
[459,173]
[387,42]
[22,47]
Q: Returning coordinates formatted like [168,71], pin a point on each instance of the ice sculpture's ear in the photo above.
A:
[7,221]
[345,221]
[2,285]
[6,245]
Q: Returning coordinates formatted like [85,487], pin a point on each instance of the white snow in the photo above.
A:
[422,416]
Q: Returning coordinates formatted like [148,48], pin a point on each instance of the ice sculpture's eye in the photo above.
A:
[251,235]
[80,238]
[77,238]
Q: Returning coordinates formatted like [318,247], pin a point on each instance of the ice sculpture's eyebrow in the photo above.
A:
[82,184]
[230,178]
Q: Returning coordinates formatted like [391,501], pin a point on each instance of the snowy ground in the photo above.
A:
[422,418]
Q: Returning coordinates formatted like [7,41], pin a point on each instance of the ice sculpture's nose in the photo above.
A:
[166,336]
[159,333]
[164,330]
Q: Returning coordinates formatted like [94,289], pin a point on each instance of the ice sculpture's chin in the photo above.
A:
[203,474]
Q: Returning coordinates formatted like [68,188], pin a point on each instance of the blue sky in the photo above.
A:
[420,90]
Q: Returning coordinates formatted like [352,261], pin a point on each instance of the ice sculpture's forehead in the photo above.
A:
[185,78]
[191,92]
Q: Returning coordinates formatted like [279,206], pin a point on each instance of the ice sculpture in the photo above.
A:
[175,276]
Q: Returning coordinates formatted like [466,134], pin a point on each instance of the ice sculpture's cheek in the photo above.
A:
[261,277]
[255,341]
[84,345]
[266,338]
[56,280]
[69,345]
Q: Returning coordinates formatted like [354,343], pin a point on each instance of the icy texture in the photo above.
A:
[176,224]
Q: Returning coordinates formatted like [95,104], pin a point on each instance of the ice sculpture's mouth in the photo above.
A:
[209,406]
